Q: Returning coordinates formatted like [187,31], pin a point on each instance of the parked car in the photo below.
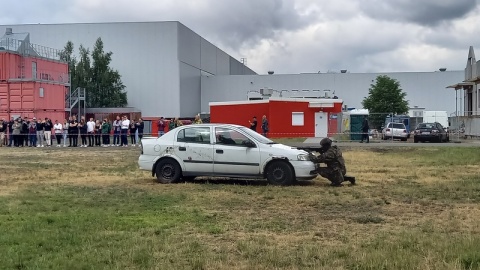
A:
[395,131]
[223,150]
[432,132]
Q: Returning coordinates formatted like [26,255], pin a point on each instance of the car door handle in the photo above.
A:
[181,148]
[219,151]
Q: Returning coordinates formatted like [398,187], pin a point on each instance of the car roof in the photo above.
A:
[213,125]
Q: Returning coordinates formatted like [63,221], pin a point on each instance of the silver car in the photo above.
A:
[395,131]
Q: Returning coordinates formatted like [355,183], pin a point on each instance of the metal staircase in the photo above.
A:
[77,98]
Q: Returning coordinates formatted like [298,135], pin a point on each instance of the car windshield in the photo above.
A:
[397,126]
[425,126]
[256,136]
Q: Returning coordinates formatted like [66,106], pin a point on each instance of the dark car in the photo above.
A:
[432,132]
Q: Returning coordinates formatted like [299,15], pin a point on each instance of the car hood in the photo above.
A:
[282,149]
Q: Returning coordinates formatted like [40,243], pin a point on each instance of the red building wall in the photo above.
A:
[20,91]
[239,114]
[279,114]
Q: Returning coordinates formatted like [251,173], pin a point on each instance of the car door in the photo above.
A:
[232,156]
[193,146]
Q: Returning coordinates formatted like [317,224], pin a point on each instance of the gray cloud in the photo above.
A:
[292,36]
[424,12]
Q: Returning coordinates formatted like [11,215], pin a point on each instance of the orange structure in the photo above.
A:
[34,81]
[288,117]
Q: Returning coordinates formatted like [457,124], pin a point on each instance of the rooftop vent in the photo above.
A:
[8,31]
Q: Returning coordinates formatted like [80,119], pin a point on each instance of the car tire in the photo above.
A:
[403,139]
[415,140]
[168,171]
[280,173]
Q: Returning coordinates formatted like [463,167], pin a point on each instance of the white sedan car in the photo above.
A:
[223,150]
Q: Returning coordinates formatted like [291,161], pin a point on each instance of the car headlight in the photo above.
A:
[303,157]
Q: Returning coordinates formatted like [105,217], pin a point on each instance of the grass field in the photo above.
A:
[93,209]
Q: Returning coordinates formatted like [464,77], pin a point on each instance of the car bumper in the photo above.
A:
[146,162]
[426,137]
[304,170]
[400,136]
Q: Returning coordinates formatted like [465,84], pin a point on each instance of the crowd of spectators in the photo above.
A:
[33,132]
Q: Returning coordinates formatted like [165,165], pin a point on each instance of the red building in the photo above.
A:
[33,80]
[287,117]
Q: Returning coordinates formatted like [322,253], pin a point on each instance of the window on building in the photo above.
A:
[297,119]
[40,92]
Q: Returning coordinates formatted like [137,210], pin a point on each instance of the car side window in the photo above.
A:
[194,135]
[226,136]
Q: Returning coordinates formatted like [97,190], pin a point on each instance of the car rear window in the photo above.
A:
[426,126]
[397,126]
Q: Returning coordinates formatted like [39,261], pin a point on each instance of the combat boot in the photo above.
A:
[351,179]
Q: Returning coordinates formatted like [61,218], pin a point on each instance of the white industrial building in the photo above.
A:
[169,70]
[160,62]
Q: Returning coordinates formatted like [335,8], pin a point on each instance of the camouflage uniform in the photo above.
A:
[335,170]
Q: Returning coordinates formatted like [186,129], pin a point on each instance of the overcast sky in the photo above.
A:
[295,36]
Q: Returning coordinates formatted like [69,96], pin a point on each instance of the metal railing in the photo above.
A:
[29,49]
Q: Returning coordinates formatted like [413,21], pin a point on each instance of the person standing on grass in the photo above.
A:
[10,131]
[161,126]
[133,130]
[17,127]
[24,132]
[91,132]
[106,132]
[40,134]
[82,126]
[140,126]
[58,129]
[3,128]
[98,132]
[73,132]
[124,131]
[32,132]
[365,128]
[48,132]
[265,127]
[65,132]
[117,128]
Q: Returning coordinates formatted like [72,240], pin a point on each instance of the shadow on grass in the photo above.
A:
[238,181]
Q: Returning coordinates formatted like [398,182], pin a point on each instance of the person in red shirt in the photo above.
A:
[161,126]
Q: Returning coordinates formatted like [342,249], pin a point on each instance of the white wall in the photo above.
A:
[424,88]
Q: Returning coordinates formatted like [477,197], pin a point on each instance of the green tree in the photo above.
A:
[385,96]
[92,71]
[107,89]
[67,56]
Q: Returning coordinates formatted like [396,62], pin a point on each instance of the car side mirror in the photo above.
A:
[250,144]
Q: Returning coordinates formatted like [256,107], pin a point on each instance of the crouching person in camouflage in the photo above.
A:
[332,157]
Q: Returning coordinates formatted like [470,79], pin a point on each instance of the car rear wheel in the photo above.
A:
[415,140]
[168,171]
[279,173]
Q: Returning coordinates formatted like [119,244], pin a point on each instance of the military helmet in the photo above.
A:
[325,142]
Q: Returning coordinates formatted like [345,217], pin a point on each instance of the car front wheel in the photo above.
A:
[279,173]
[168,171]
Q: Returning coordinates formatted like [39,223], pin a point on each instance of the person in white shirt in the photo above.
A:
[124,131]
[90,132]
[65,132]
[58,128]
